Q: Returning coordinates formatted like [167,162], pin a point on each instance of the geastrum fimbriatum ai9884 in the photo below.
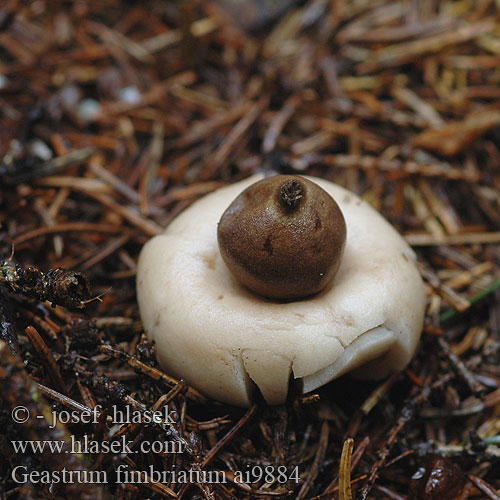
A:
[271,280]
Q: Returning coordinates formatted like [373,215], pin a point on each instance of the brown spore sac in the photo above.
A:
[283,237]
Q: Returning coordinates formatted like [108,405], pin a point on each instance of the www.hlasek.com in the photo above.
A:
[124,475]
[86,445]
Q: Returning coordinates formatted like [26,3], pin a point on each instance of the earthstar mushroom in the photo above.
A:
[229,342]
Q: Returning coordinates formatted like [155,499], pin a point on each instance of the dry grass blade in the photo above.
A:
[405,52]
[455,137]
[453,239]
[345,491]
[83,227]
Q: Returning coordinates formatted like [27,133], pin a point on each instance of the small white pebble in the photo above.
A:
[130,95]
[39,149]
[88,109]
[70,95]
